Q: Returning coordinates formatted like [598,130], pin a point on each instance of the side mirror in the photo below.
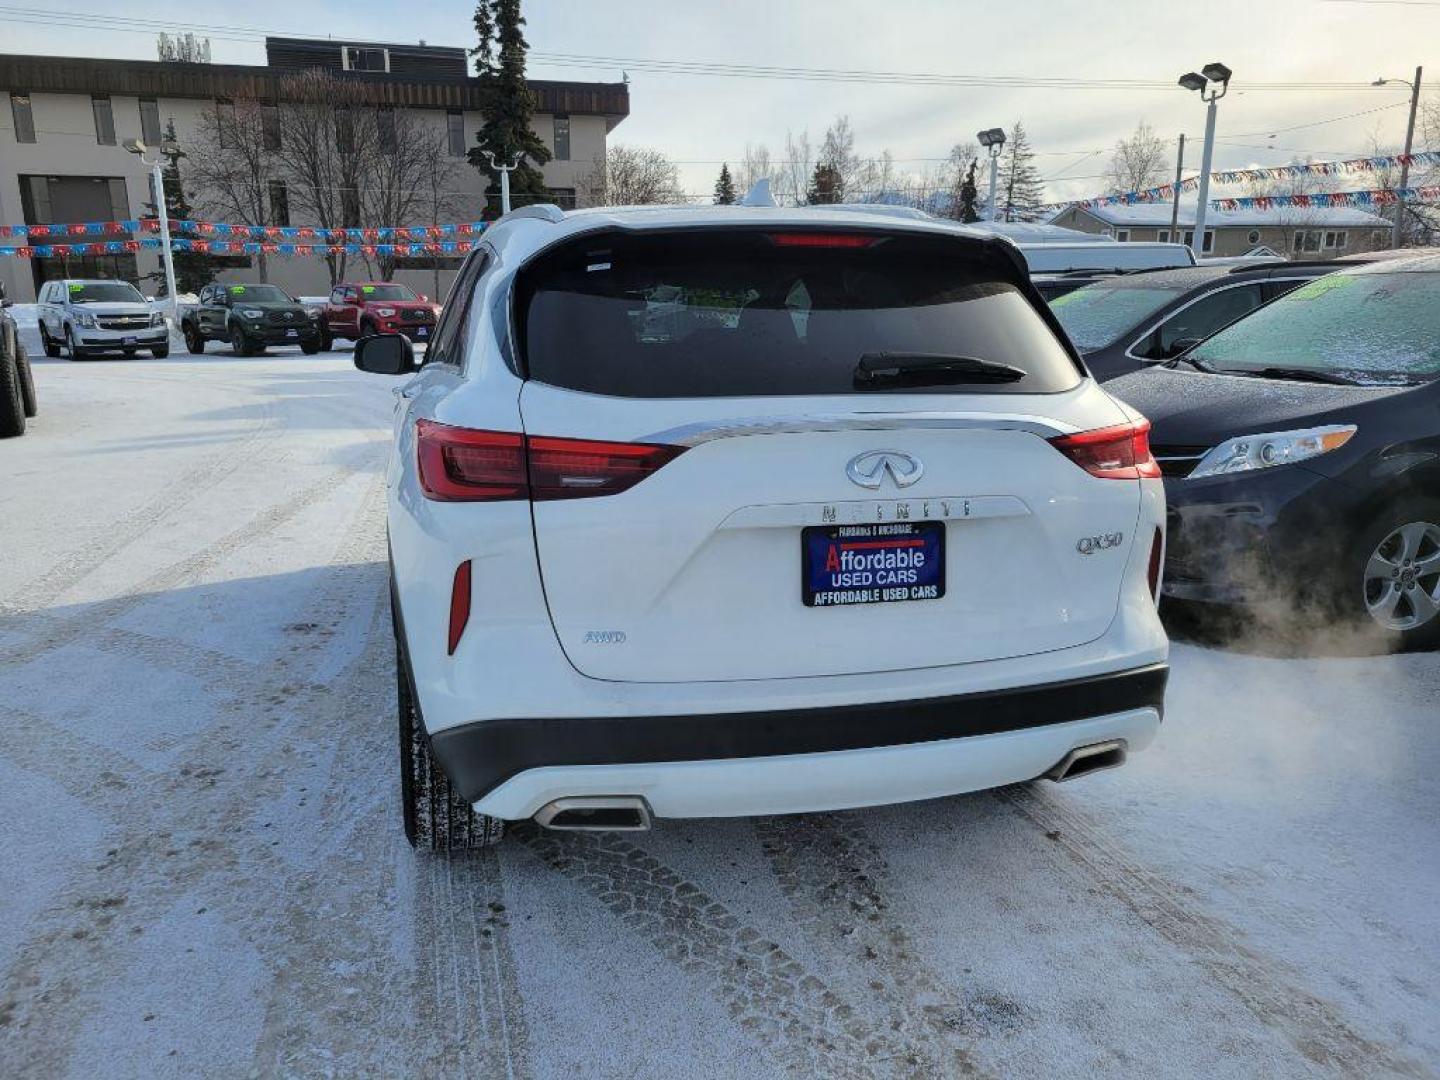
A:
[1180,345]
[423,298]
[385,354]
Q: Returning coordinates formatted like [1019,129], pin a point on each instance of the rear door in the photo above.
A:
[808,526]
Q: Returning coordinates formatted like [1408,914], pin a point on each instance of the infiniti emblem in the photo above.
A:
[869,469]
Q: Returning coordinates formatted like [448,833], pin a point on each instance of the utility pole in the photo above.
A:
[1214,73]
[504,171]
[1398,239]
[1175,207]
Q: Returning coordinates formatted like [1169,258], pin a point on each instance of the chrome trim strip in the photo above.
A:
[710,430]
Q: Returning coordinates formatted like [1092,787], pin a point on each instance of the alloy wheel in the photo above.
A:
[1402,577]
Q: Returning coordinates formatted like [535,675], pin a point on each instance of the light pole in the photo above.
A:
[1210,74]
[504,171]
[157,182]
[1397,240]
[993,139]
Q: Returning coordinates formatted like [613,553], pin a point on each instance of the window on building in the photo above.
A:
[104,119]
[385,129]
[1307,240]
[149,121]
[1163,236]
[1253,237]
[350,207]
[344,131]
[1122,235]
[225,124]
[455,123]
[1335,240]
[279,203]
[1209,240]
[270,127]
[563,197]
[562,138]
[24,118]
[357,58]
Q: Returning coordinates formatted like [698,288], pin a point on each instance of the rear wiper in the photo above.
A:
[879,370]
[1293,373]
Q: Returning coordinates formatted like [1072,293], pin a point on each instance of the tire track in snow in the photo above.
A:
[791,1012]
[1312,1025]
[833,877]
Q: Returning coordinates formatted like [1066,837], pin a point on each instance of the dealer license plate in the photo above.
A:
[872,564]
[422,331]
[292,333]
[129,341]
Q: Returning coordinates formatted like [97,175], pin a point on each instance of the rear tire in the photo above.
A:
[12,404]
[51,347]
[194,343]
[436,817]
[27,381]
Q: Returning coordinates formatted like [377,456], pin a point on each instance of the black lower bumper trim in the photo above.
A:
[481,756]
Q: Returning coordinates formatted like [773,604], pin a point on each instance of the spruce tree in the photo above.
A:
[1022,190]
[825,187]
[507,103]
[724,187]
[193,269]
[968,209]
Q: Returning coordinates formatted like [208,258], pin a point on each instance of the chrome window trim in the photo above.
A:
[1259,283]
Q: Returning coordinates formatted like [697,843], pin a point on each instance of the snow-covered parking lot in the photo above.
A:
[202,869]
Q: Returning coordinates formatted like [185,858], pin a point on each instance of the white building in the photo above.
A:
[64,122]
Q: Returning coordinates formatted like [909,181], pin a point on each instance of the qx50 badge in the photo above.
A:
[1088,545]
[869,469]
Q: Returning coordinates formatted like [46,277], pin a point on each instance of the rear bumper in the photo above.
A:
[502,765]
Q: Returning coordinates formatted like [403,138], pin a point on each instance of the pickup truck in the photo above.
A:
[359,309]
[250,317]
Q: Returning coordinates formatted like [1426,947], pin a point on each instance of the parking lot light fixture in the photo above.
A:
[157,181]
[993,139]
[1211,83]
[1396,240]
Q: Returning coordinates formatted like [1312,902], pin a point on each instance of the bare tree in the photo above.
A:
[756,166]
[837,154]
[792,178]
[408,181]
[230,166]
[1141,161]
[633,176]
[330,140]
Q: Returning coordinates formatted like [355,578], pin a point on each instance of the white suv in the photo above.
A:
[723,511]
[88,317]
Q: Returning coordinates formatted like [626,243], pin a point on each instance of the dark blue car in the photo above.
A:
[1301,452]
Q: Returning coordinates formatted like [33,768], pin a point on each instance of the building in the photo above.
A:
[64,122]
[1309,233]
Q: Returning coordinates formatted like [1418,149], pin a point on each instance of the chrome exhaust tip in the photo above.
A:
[1088,759]
[595,813]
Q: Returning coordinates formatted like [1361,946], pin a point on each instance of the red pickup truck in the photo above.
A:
[358,309]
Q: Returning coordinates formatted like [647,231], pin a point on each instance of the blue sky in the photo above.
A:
[700,121]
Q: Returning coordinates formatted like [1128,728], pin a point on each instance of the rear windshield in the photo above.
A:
[1099,315]
[720,314]
[1371,327]
[104,292]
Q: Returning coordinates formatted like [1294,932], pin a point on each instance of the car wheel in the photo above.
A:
[367,328]
[327,339]
[194,343]
[1395,570]
[240,344]
[71,349]
[51,346]
[310,348]
[28,400]
[12,403]
[436,817]
[160,352]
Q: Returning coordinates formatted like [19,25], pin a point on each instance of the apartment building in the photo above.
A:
[64,122]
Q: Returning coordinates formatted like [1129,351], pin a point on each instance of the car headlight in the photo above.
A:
[85,319]
[385,312]
[157,319]
[252,313]
[1246,453]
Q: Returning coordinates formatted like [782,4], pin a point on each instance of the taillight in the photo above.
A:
[1157,549]
[459,604]
[1121,452]
[581,468]
[465,465]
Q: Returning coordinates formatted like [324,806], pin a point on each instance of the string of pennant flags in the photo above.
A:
[1166,192]
[233,247]
[303,234]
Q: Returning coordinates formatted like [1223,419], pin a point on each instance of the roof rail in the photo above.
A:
[544,211]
